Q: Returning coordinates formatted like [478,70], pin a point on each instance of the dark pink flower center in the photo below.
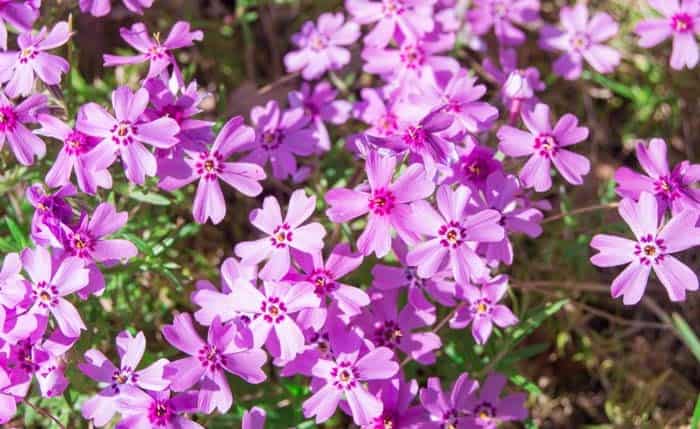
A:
[385,421]
[412,56]
[27,54]
[157,52]
[669,186]
[387,124]
[344,376]
[122,376]
[387,334]
[323,282]
[76,143]
[281,236]
[485,412]
[45,295]
[173,111]
[123,133]
[8,118]
[682,22]
[452,235]
[546,145]
[650,250]
[580,41]
[499,8]
[160,412]
[273,310]
[415,137]
[209,357]
[393,7]
[411,275]
[318,42]
[480,307]
[322,343]
[209,165]
[382,202]
[81,244]
[271,140]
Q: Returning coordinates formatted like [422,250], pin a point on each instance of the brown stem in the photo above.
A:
[43,412]
[581,211]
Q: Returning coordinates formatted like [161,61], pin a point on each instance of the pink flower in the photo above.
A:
[652,249]
[17,68]
[582,39]
[8,403]
[21,14]
[546,147]
[413,18]
[282,235]
[24,144]
[103,7]
[210,166]
[13,286]
[502,15]
[681,21]
[321,46]
[158,410]
[254,419]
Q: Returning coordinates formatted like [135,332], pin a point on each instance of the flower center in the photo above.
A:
[682,22]
[412,56]
[27,54]
[546,144]
[123,133]
[208,165]
[81,244]
[387,333]
[580,41]
[8,119]
[650,250]
[411,275]
[481,307]
[76,143]
[452,235]
[281,236]
[273,310]
[156,52]
[387,124]
[271,140]
[414,137]
[345,376]
[209,357]
[669,186]
[382,202]
[485,412]
[383,422]
[323,282]
[393,7]
[45,295]
[499,9]
[318,42]
[160,413]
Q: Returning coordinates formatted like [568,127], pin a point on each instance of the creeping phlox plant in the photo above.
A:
[445,181]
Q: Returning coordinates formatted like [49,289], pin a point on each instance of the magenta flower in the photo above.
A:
[502,15]
[474,165]
[397,396]
[13,286]
[254,419]
[24,144]
[122,380]
[158,55]
[51,211]
[681,21]
[210,165]
[445,411]
[386,202]
[228,348]
[377,112]
[321,46]
[546,147]
[581,39]
[103,7]
[20,13]
[344,377]
[156,410]
[483,310]
[413,18]
[673,188]
[126,133]
[452,235]
[8,402]
[17,68]
[282,235]
[270,313]
[652,249]
[387,326]
[49,287]
[72,157]
[321,105]
[486,409]
[279,137]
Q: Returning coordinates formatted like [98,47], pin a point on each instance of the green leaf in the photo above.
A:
[695,421]
[530,424]
[687,335]
[534,319]
[524,353]
[149,198]
[18,235]
[526,384]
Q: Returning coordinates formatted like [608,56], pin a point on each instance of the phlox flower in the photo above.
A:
[103,7]
[159,55]
[378,112]
[452,235]
[18,68]
[673,189]
[581,39]
[681,20]
[482,309]
[652,248]
[8,403]
[125,133]
[413,18]
[210,166]
[485,408]
[50,211]
[321,105]
[24,144]
[157,410]
[502,15]
[397,396]
[445,411]
[228,348]
[386,201]
[282,234]
[50,283]
[546,145]
[72,157]
[254,418]
[474,164]
[21,14]
[13,286]
[119,380]
[321,46]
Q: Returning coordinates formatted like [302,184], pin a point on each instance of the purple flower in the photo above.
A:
[397,395]
[673,188]
[120,380]
[254,419]
[23,143]
[282,234]
[378,112]
[228,348]
[125,134]
[49,287]
[51,211]
[502,15]
[446,411]
[321,105]
[279,137]
[474,165]
[681,21]
[20,13]
[413,18]
[486,409]
[452,235]
[581,39]
[8,403]
[103,7]
[209,166]
[270,313]
[321,46]
[344,377]
[546,147]
[73,157]
[158,55]
[385,326]
[482,309]
[17,68]
[652,249]
[157,410]
[13,286]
